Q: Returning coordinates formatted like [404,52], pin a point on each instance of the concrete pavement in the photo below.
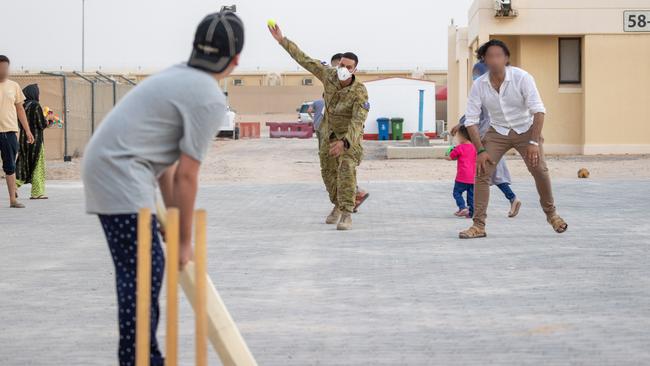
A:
[400,289]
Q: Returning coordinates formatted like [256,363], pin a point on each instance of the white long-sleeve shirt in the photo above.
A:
[512,108]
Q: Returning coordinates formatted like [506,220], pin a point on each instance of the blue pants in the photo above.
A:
[505,188]
[121,235]
[459,189]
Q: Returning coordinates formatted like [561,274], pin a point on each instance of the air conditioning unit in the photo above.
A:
[238,82]
[307,82]
[504,9]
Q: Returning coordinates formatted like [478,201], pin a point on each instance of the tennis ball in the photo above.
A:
[583,173]
[271,23]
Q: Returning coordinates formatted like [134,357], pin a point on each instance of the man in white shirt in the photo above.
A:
[516,119]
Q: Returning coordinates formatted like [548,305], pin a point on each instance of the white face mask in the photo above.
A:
[343,73]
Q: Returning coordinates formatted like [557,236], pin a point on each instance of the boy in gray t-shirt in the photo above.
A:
[157,136]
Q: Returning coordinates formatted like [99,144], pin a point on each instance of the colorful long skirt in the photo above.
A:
[38,176]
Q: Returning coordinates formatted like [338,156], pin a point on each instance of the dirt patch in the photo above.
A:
[291,160]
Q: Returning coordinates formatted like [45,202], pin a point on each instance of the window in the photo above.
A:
[307,81]
[238,82]
[570,61]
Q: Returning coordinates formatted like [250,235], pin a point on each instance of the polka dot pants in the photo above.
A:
[120,231]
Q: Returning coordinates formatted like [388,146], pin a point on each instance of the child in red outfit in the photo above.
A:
[465,155]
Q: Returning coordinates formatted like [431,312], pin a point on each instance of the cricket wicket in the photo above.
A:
[213,321]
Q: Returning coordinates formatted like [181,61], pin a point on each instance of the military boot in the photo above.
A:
[346,222]
[334,216]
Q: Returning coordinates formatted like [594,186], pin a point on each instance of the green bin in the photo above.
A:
[397,125]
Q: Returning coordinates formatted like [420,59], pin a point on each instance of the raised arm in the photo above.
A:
[312,65]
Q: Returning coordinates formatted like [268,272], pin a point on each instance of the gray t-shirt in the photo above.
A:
[179,110]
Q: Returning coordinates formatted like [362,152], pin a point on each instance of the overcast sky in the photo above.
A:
[147,35]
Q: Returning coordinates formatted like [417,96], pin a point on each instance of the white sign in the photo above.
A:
[636,20]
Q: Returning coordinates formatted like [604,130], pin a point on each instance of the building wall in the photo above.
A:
[564,121]
[617,93]
[271,99]
[257,96]
[457,74]
[540,17]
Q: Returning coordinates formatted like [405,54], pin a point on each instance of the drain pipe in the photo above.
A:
[110,80]
[92,101]
[66,157]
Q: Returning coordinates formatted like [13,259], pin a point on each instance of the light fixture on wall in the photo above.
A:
[504,9]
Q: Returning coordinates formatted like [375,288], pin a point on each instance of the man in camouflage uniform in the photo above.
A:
[346,109]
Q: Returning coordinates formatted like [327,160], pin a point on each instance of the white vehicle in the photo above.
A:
[229,128]
[306,113]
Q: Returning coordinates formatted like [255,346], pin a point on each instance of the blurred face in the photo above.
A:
[335,63]
[496,59]
[4,71]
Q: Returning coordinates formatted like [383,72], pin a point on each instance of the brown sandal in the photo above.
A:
[360,202]
[559,225]
[39,198]
[473,232]
[514,208]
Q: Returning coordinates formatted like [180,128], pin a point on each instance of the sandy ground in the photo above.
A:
[291,160]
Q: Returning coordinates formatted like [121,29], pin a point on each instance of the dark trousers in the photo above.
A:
[505,188]
[8,151]
[121,235]
[459,189]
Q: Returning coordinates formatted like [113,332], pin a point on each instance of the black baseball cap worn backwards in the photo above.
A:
[218,39]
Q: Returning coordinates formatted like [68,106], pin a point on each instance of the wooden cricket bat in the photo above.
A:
[222,330]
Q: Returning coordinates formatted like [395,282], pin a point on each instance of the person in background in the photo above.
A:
[517,114]
[465,155]
[317,108]
[30,167]
[11,111]
[501,177]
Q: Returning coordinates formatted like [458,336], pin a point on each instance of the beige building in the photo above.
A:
[273,93]
[263,92]
[304,78]
[590,59]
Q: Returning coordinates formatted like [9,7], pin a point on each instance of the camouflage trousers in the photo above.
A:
[340,175]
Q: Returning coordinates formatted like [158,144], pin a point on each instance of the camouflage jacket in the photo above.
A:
[346,108]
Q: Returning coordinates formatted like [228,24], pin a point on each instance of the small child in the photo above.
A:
[465,154]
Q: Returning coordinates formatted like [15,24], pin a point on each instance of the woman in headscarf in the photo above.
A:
[30,166]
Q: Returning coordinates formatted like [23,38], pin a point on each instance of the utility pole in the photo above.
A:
[83,35]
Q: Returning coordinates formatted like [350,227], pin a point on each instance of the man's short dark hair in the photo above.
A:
[482,51]
[336,57]
[351,56]
[463,131]
[4,58]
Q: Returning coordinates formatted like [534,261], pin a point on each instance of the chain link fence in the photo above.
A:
[81,101]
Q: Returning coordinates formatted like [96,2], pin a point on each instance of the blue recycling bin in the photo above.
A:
[382,126]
